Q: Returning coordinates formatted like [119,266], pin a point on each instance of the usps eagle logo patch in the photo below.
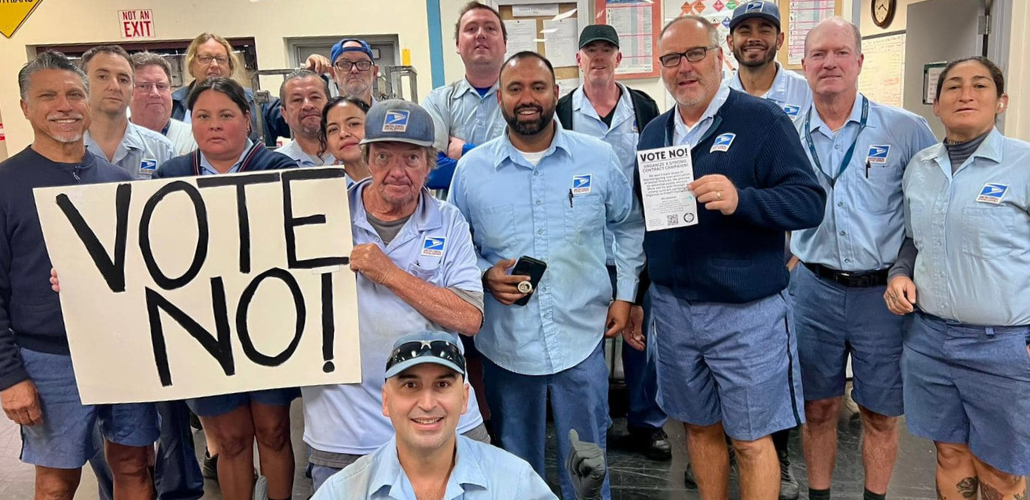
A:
[753,6]
[147,166]
[791,110]
[722,143]
[878,154]
[992,192]
[433,246]
[396,121]
[581,184]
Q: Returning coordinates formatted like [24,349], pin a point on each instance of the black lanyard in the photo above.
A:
[851,150]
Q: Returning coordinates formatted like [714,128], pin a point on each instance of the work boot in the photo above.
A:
[209,467]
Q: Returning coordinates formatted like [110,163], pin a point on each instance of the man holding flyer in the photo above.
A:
[715,258]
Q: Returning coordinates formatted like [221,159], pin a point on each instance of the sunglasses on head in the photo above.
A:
[441,349]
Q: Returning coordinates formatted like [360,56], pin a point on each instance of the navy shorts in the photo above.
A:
[970,385]
[65,438]
[213,406]
[834,321]
[734,363]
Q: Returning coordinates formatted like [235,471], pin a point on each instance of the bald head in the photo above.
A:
[836,24]
[695,21]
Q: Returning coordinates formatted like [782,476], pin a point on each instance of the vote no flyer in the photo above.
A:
[665,174]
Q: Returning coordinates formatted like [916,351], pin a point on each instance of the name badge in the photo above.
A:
[433,246]
[992,192]
[722,143]
[147,167]
[581,184]
[878,154]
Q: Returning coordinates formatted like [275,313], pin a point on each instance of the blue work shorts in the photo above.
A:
[213,406]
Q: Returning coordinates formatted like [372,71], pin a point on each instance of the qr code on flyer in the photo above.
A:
[672,219]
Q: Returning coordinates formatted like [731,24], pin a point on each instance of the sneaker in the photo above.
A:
[209,467]
[653,443]
[789,489]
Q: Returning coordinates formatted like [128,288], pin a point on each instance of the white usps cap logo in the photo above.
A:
[396,121]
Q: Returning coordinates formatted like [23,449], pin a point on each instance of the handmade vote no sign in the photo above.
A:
[181,288]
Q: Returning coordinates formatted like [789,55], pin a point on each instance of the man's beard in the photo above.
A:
[522,127]
[742,60]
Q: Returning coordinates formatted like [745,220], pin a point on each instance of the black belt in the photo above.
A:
[860,279]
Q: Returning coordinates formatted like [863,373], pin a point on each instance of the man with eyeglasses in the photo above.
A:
[415,267]
[424,395]
[548,193]
[754,38]
[151,104]
[724,338]
[859,151]
[135,149]
[352,66]
[466,110]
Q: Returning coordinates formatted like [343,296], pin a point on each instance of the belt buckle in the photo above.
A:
[843,278]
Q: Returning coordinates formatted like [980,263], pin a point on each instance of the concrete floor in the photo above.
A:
[632,476]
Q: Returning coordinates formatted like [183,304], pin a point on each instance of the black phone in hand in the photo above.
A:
[528,266]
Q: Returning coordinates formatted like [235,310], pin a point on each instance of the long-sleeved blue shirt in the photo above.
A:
[737,258]
[553,211]
[30,312]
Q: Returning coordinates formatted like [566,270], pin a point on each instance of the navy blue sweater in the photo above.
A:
[30,312]
[737,258]
[257,158]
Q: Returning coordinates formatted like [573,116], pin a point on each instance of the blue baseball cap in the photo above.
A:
[761,8]
[339,49]
[427,346]
[400,121]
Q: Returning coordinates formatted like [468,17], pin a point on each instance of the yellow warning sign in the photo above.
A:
[13,14]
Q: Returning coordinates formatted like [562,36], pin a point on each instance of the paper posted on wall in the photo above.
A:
[665,174]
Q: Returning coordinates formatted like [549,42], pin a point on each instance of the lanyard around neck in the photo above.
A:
[851,150]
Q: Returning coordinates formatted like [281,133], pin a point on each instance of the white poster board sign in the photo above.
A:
[181,288]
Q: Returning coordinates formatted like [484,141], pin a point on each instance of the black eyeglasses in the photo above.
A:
[436,348]
[693,54]
[347,65]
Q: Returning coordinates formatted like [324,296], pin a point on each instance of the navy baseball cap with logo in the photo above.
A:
[764,9]
[339,49]
[427,346]
[401,121]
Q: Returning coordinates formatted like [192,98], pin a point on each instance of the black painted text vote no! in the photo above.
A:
[112,268]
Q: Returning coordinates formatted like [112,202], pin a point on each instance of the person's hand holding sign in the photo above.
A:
[716,192]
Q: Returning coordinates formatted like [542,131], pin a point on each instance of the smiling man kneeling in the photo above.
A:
[424,395]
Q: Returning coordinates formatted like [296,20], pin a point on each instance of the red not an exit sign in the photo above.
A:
[136,23]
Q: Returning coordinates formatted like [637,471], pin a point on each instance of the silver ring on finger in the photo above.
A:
[525,287]
[718,195]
